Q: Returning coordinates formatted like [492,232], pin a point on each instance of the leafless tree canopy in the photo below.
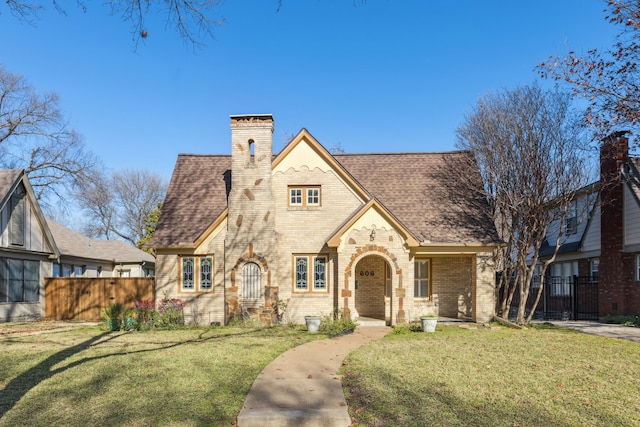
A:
[35,136]
[528,145]
[116,206]
[607,79]
[194,20]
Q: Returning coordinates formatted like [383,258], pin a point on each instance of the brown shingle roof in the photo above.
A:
[196,196]
[436,196]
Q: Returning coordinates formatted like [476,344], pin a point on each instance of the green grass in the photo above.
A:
[485,377]
[88,377]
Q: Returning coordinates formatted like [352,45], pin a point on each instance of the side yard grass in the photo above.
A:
[89,377]
[538,377]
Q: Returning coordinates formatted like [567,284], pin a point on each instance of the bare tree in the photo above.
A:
[608,80]
[528,145]
[35,136]
[120,206]
[194,20]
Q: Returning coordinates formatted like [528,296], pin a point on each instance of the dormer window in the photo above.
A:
[308,196]
[571,220]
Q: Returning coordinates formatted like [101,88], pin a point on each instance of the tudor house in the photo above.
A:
[383,236]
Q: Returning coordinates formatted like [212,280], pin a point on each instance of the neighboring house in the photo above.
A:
[81,256]
[384,236]
[27,249]
[602,237]
[33,248]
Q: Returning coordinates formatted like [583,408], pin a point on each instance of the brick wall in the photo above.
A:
[616,276]
[451,279]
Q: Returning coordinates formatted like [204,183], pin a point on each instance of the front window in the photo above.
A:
[302,269]
[196,274]
[206,270]
[313,196]
[295,196]
[562,277]
[78,270]
[304,196]
[19,280]
[307,268]
[188,283]
[422,286]
[320,274]
[638,267]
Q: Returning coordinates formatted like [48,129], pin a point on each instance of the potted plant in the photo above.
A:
[129,321]
[313,323]
[429,322]
[113,315]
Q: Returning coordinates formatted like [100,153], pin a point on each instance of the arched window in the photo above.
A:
[252,150]
[251,281]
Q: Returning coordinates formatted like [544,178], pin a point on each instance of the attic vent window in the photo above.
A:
[304,196]
[18,218]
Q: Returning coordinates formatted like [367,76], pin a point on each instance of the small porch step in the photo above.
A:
[370,322]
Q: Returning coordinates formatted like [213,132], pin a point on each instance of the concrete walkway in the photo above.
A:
[301,387]
[606,330]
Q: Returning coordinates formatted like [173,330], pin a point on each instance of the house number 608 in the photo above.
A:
[367,273]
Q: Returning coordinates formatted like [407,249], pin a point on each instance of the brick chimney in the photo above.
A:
[616,266]
[251,239]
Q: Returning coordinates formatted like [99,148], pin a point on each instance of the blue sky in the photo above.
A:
[383,76]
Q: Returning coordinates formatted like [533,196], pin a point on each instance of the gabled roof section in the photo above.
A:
[9,181]
[576,243]
[335,239]
[74,244]
[304,137]
[439,197]
[196,198]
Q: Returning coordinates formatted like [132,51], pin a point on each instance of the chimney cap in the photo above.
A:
[248,116]
[615,135]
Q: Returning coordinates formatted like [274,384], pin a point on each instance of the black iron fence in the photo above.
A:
[563,298]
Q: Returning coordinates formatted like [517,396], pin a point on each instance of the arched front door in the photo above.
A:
[372,287]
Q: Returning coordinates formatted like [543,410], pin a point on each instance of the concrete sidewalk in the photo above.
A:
[301,387]
[603,329]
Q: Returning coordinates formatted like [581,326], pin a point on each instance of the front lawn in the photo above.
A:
[482,377]
[88,377]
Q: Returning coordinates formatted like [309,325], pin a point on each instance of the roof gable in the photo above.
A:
[371,213]
[305,150]
[10,180]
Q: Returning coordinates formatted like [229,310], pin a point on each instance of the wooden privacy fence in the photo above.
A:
[83,298]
